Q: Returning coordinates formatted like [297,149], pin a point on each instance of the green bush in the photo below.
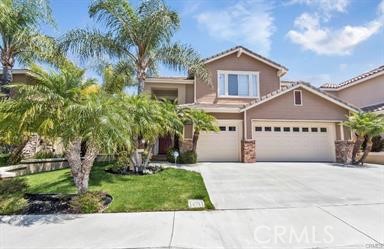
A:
[4,159]
[170,157]
[12,204]
[90,202]
[13,186]
[188,157]
[46,155]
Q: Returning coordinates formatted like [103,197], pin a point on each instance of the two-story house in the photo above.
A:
[260,117]
[365,91]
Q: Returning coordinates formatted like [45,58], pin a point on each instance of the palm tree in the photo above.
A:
[366,125]
[141,37]
[201,121]
[63,105]
[20,38]
[116,77]
[152,119]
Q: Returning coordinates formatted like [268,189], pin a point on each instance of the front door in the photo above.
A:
[164,144]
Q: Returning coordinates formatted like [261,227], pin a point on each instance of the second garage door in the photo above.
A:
[223,145]
[294,141]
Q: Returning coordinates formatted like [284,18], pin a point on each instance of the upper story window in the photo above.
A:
[242,84]
[298,98]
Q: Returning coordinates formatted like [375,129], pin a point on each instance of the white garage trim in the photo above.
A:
[222,145]
[294,140]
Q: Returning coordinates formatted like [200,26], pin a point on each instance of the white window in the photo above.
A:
[241,84]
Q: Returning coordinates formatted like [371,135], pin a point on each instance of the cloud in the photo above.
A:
[325,7]
[247,22]
[311,35]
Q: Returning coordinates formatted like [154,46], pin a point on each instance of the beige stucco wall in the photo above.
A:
[269,81]
[364,94]
[282,107]
[228,115]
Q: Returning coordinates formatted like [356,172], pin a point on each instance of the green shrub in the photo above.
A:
[123,159]
[46,155]
[90,202]
[188,157]
[12,204]
[13,186]
[170,157]
[4,159]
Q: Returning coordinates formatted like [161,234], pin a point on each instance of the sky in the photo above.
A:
[319,41]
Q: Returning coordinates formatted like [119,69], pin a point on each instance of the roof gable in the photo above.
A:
[307,87]
[242,50]
[355,80]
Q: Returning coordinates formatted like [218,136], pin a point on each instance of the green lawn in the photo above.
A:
[167,190]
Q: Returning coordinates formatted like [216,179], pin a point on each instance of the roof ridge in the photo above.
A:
[247,50]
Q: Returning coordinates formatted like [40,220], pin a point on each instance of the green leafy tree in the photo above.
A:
[116,77]
[20,37]
[201,121]
[63,105]
[141,37]
[366,125]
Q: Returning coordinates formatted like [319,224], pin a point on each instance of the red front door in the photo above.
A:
[164,144]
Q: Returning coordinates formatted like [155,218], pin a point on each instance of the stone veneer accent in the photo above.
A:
[344,150]
[185,145]
[248,151]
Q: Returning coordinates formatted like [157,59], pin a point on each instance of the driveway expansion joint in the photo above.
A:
[352,226]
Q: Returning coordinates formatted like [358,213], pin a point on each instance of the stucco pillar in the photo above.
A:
[248,151]
[344,150]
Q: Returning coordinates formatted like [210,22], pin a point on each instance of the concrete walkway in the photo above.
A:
[260,206]
[332,227]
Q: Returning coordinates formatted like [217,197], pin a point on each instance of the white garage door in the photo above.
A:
[294,141]
[223,145]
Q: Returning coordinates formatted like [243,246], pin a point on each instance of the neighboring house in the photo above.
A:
[20,76]
[260,117]
[365,91]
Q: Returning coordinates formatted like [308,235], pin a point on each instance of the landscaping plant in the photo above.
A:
[366,125]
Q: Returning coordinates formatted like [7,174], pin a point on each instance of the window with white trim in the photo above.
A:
[242,84]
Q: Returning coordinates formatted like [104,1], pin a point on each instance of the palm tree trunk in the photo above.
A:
[80,169]
[368,149]
[16,154]
[141,79]
[7,78]
[194,140]
[149,156]
[356,148]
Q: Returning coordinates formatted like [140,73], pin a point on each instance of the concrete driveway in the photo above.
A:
[262,205]
[287,185]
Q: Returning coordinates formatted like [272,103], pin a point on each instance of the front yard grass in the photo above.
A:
[169,189]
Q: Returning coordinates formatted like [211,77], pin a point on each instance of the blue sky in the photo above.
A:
[317,40]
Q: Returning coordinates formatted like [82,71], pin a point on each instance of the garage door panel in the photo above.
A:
[223,145]
[311,145]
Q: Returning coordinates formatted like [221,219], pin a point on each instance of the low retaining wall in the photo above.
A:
[41,165]
[375,157]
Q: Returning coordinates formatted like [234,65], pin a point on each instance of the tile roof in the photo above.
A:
[295,85]
[374,108]
[247,50]
[354,79]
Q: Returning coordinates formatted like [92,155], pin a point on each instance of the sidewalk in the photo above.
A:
[352,226]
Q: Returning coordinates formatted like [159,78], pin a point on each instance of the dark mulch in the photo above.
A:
[54,203]
[148,171]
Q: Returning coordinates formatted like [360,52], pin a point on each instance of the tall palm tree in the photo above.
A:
[141,37]
[365,125]
[63,105]
[20,37]
[116,77]
[201,121]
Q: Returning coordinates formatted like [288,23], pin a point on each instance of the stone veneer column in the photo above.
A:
[248,151]
[344,150]
[185,145]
